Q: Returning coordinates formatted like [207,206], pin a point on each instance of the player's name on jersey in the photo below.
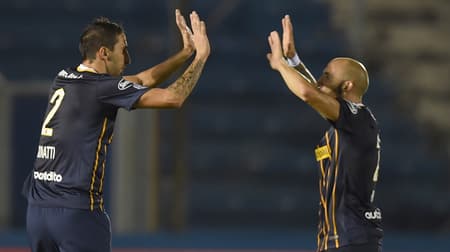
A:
[66,75]
[46,152]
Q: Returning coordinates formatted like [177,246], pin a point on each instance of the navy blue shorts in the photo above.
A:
[68,230]
[367,247]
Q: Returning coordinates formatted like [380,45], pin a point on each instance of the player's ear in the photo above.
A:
[348,85]
[103,53]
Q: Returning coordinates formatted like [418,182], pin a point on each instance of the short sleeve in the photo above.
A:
[119,92]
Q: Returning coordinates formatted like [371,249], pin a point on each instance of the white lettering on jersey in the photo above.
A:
[373,215]
[124,84]
[48,176]
[46,152]
[66,75]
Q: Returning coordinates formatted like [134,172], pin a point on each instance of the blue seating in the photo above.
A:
[250,141]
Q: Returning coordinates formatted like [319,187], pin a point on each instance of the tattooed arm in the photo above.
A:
[175,94]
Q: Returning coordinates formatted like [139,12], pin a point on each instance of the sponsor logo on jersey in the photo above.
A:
[373,215]
[322,153]
[124,84]
[66,75]
[48,176]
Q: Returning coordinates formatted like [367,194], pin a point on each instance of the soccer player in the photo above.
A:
[348,155]
[65,188]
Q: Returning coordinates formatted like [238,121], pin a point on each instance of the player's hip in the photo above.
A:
[68,228]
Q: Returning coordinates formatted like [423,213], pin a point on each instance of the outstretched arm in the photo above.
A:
[175,94]
[291,53]
[324,104]
[159,73]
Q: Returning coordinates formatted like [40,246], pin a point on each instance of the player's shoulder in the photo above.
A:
[72,74]
[357,113]
[355,108]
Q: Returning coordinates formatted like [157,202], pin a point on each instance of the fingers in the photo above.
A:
[195,22]
[288,30]
[287,24]
[198,26]
[203,27]
[283,22]
[181,22]
[288,37]
[271,42]
[179,19]
[275,44]
[200,38]
[274,39]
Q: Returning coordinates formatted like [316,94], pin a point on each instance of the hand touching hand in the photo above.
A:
[186,33]
[199,36]
[288,37]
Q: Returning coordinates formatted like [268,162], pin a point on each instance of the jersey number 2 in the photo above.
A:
[56,99]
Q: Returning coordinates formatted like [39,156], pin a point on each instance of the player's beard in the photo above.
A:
[339,90]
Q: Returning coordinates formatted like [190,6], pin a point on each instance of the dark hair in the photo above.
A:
[101,32]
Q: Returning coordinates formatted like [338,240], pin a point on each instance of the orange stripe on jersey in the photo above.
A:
[327,138]
[94,171]
[328,170]
[103,169]
[103,172]
[326,227]
[336,147]
[102,176]
[321,185]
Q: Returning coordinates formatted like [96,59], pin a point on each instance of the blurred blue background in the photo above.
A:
[234,168]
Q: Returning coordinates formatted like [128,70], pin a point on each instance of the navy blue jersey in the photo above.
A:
[348,157]
[77,129]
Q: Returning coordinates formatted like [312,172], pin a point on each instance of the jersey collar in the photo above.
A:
[84,68]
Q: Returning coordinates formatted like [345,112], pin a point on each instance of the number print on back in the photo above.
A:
[56,99]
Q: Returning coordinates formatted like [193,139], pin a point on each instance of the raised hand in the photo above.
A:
[199,36]
[276,56]
[288,37]
[186,33]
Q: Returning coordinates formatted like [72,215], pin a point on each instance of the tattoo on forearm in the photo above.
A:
[184,85]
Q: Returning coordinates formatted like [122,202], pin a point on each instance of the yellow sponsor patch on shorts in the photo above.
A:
[322,153]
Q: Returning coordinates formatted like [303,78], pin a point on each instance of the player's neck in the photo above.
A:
[352,98]
[94,66]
